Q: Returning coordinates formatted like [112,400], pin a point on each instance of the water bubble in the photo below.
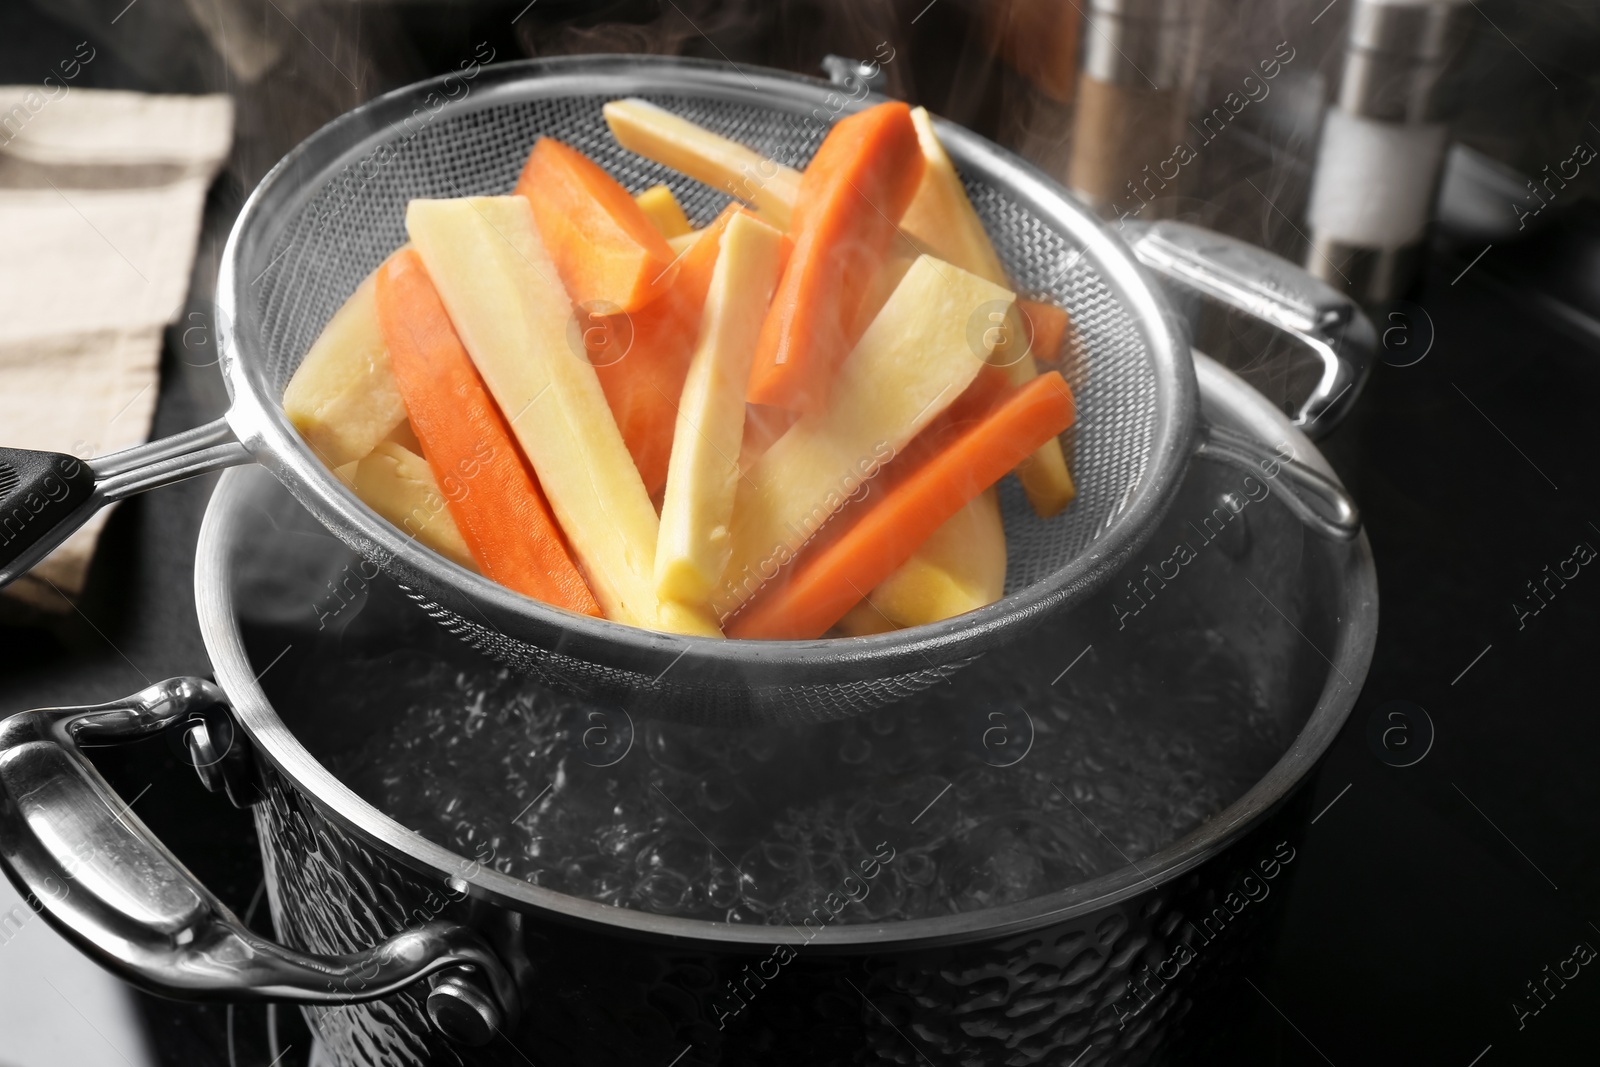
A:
[604,737]
[1005,735]
[458,751]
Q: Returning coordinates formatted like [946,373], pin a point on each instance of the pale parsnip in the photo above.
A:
[405,435]
[736,169]
[864,620]
[942,220]
[916,357]
[703,475]
[343,398]
[663,211]
[508,306]
[399,485]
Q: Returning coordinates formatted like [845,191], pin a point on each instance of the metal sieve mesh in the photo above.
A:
[327,241]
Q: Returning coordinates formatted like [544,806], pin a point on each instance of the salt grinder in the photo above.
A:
[1133,96]
[1383,146]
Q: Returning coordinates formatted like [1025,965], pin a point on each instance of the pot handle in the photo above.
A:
[1315,499]
[1196,265]
[82,859]
[46,496]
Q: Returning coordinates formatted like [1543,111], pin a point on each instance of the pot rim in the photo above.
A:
[1230,401]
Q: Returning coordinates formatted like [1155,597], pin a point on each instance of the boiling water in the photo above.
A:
[999,786]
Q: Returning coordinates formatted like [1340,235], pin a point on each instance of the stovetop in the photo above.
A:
[1453,856]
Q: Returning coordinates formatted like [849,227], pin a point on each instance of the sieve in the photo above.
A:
[334,208]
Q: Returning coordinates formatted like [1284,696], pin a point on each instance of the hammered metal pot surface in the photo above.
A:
[1139,982]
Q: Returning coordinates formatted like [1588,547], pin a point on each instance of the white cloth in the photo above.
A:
[101,195]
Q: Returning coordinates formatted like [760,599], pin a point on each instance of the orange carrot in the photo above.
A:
[603,244]
[827,582]
[1048,327]
[857,187]
[491,494]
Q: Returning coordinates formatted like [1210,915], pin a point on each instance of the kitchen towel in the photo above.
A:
[101,195]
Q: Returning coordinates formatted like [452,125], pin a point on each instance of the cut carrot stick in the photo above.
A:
[856,188]
[960,567]
[641,369]
[1048,326]
[502,515]
[604,245]
[827,583]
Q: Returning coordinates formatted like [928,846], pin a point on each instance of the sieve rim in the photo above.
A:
[257,418]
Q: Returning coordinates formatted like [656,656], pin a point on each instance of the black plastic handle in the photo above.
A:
[44,496]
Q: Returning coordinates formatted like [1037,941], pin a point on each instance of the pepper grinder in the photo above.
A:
[1383,146]
[1133,93]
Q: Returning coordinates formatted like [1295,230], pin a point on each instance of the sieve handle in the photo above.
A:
[86,863]
[1198,267]
[46,496]
[1315,499]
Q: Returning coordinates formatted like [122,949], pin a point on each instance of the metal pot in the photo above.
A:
[410,952]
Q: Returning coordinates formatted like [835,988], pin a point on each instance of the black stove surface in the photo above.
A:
[1453,863]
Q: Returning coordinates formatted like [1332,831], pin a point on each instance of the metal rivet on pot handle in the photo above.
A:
[463,1010]
[1194,263]
[96,873]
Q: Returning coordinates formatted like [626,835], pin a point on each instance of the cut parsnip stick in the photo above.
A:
[883,284]
[663,211]
[676,618]
[916,357]
[703,475]
[1044,475]
[942,220]
[864,620]
[398,484]
[736,169]
[343,398]
[405,435]
[961,568]
[683,242]
[501,289]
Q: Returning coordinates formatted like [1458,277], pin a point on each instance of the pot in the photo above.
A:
[409,946]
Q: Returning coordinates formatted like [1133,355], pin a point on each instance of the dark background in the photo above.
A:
[1427,896]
